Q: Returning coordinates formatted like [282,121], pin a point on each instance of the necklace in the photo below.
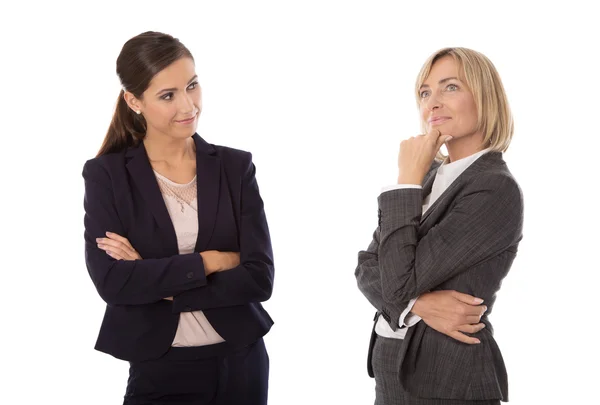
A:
[184,194]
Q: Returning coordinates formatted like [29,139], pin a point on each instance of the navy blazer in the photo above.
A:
[122,196]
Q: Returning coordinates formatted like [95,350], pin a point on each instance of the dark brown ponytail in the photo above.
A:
[141,58]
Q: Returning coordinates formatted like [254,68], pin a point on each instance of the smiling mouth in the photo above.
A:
[188,120]
[438,120]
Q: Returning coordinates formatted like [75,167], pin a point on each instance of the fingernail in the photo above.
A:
[478,300]
[108,233]
[478,341]
[98,239]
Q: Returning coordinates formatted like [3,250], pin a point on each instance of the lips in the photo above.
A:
[187,121]
[438,120]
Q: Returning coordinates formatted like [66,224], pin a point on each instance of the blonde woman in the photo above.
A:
[448,234]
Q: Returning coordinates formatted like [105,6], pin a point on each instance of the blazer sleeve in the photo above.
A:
[368,278]
[483,222]
[252,280]
[121,282]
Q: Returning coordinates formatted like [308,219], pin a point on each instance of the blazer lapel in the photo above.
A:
[483,163]
[208,172]
[429,178]
[143,176]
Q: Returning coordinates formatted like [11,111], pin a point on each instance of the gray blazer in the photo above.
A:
[466,241]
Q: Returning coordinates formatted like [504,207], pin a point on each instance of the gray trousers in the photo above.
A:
[388,390]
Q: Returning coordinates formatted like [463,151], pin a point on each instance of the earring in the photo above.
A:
[138,112]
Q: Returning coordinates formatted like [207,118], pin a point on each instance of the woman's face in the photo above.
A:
[447,103]
[172,103]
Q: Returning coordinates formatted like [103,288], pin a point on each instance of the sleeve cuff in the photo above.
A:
[398,187]
[408,319]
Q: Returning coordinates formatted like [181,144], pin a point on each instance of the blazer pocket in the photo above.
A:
[437,366]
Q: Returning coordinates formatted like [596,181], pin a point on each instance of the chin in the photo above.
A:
[182,134]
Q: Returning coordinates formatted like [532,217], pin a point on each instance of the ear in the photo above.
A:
[132,102]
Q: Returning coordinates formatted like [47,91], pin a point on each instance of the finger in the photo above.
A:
[130,258]
[472,319]
[471,328]
[114,255]
[123,254]
[117,244]
[114,246]
[110,249]
[109,242]
[119,238]
[433,134]
[127,254]
[466,310]
[466,298]
[442,140]
[461,337]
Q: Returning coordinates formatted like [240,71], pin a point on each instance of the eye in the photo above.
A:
[452,87]
[193,86]
[424,93]
[167,96]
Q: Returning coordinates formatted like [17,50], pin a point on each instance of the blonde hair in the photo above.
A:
[494,118]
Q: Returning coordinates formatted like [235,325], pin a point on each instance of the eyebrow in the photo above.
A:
[441,81]
[175,89]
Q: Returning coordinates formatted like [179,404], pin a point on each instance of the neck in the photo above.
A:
[161,148]
[460,148]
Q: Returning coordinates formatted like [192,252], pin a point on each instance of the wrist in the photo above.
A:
[417,308]
[209,266]
[409,179]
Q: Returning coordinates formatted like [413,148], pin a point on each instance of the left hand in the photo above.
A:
[117,247]
[452,313]
[416,155]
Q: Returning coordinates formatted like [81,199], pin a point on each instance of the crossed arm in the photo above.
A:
[119,248]
[196,281]
[447,311]
[397,267]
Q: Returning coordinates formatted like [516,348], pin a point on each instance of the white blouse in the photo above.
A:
[182,203]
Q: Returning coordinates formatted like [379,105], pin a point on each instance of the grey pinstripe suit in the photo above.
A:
[466,241]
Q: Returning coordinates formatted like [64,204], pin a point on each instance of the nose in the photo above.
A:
[187,105]
[432,103]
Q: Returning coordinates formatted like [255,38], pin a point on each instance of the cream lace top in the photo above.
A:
[182,203]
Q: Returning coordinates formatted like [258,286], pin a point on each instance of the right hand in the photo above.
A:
[451,313]
[118,247]
[215,261]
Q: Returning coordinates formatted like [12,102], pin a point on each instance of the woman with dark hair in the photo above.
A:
[176,241]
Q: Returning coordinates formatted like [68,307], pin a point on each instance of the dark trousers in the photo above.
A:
[205,375]
[389,391]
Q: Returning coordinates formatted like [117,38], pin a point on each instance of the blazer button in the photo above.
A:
[190,274]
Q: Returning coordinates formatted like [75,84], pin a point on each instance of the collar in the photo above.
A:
[453,169]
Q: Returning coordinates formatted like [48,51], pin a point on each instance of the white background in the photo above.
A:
[322,93]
